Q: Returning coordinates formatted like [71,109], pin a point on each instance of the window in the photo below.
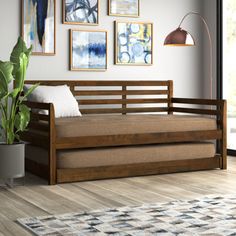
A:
[229,77]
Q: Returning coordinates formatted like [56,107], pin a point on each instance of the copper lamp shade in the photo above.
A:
[179,37]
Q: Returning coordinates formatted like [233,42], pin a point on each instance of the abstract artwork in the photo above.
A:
[124,8]
[80,12]
[88,50]
[134,43]
[38,25]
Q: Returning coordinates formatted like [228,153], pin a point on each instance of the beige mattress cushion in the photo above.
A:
[130,124]
[124,155]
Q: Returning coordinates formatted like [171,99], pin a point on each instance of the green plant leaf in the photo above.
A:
[14,93]
[30,90]
[6,69]
[9,133]
[19,48]
[10,136]
[15,116]
[21,73]
[4,123]
[22,118]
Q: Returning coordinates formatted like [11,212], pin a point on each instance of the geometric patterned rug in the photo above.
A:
[208,216]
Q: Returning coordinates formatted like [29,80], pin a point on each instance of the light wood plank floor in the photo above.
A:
[36,198]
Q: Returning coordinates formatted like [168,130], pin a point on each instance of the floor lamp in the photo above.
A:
[181,37]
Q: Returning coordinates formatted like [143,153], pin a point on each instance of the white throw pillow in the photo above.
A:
[65,104]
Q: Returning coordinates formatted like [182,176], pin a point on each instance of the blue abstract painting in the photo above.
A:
[134,43]
[38,18]
[88,50]
[80,11]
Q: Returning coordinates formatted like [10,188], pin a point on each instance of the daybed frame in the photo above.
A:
[44,134]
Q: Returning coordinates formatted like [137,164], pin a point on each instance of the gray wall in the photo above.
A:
[184,65]
[209,12]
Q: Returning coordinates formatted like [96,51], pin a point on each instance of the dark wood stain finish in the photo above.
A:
[140,169]
[42,128]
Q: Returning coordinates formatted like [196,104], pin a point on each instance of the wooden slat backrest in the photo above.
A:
[103,97]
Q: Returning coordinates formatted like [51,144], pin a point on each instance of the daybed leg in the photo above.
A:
[223,143]
[52,167]
[52,179]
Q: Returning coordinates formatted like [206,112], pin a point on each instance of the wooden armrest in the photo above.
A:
[217,106]
[40,122]
[42,133]
[195,111]
[38,105]
[195,101]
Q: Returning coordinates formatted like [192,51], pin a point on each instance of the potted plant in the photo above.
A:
[15,115]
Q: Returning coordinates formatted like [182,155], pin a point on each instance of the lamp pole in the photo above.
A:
[210,44]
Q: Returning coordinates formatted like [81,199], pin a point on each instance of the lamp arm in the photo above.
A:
[210,43]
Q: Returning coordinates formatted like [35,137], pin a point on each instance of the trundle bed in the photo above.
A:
[127,128]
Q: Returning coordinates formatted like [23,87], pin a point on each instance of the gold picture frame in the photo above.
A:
[64,21]
[140,51]
[127,7]
[103,49]
[37,42]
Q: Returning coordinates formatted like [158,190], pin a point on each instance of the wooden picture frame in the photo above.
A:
[43,40]
[74,22]
[143,47]
[96,48]
[126,8]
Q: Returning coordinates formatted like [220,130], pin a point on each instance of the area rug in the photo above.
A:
[208,216]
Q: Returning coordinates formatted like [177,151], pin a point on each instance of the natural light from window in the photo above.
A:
[230,68]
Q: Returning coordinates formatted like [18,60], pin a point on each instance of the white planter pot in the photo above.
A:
[12,161]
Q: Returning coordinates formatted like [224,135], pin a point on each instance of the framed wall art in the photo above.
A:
[88,50]
[80,12]
[133,43]
[38,26]
[129,8]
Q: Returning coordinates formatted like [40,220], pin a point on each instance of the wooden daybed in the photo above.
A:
[117,127]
